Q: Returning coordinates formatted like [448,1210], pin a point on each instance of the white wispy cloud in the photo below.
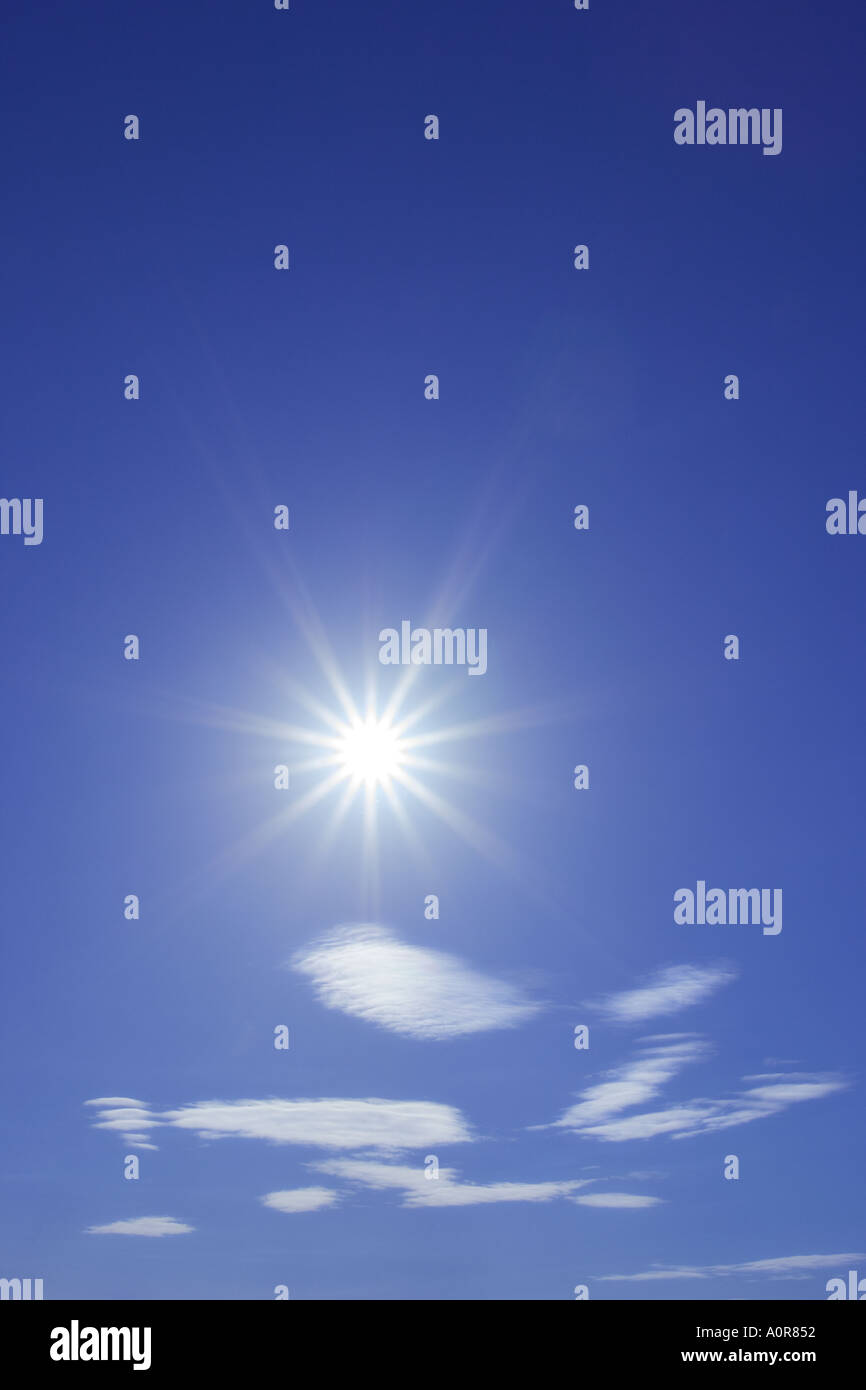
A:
[784,1267]
[331,1124]
[418,992]
[667,992]
[140,1141]
[447,1190]
[708,1117]
[598,1111]
[372,1172]
[635,1082]
[301,1199]
[617,1199]
[118,1100]
[142,1226]
[327,1123]
[470,1194]
[129,1118]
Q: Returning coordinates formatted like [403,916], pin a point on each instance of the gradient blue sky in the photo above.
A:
[306,388]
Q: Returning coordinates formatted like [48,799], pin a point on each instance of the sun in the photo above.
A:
[373,757]
[370,751]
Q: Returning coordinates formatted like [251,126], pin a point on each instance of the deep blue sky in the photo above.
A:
[558,387]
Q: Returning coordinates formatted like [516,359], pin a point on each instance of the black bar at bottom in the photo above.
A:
[154,1338]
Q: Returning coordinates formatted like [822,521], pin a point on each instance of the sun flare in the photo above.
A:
[376,760]
[370,751]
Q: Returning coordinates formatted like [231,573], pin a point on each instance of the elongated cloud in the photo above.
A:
[367,972]
[621,1200]
[328,1124]
[118,1100]
[142,1226]
[599,1110]
[785,1267]
[372,1172]
[633,1083]
[667,992]
[446,1190]
[709,1116]
[470,1194]
[131,1119]
[301,1199]
[332,1124]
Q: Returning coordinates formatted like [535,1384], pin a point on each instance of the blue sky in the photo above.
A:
[605,647]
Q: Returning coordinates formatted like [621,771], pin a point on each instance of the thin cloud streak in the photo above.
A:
[447,1190]
[667,992]
[598,1112]
[152,1226]
[301,1199]
[784,1267]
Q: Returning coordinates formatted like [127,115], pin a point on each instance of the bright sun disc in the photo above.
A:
[371,752]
